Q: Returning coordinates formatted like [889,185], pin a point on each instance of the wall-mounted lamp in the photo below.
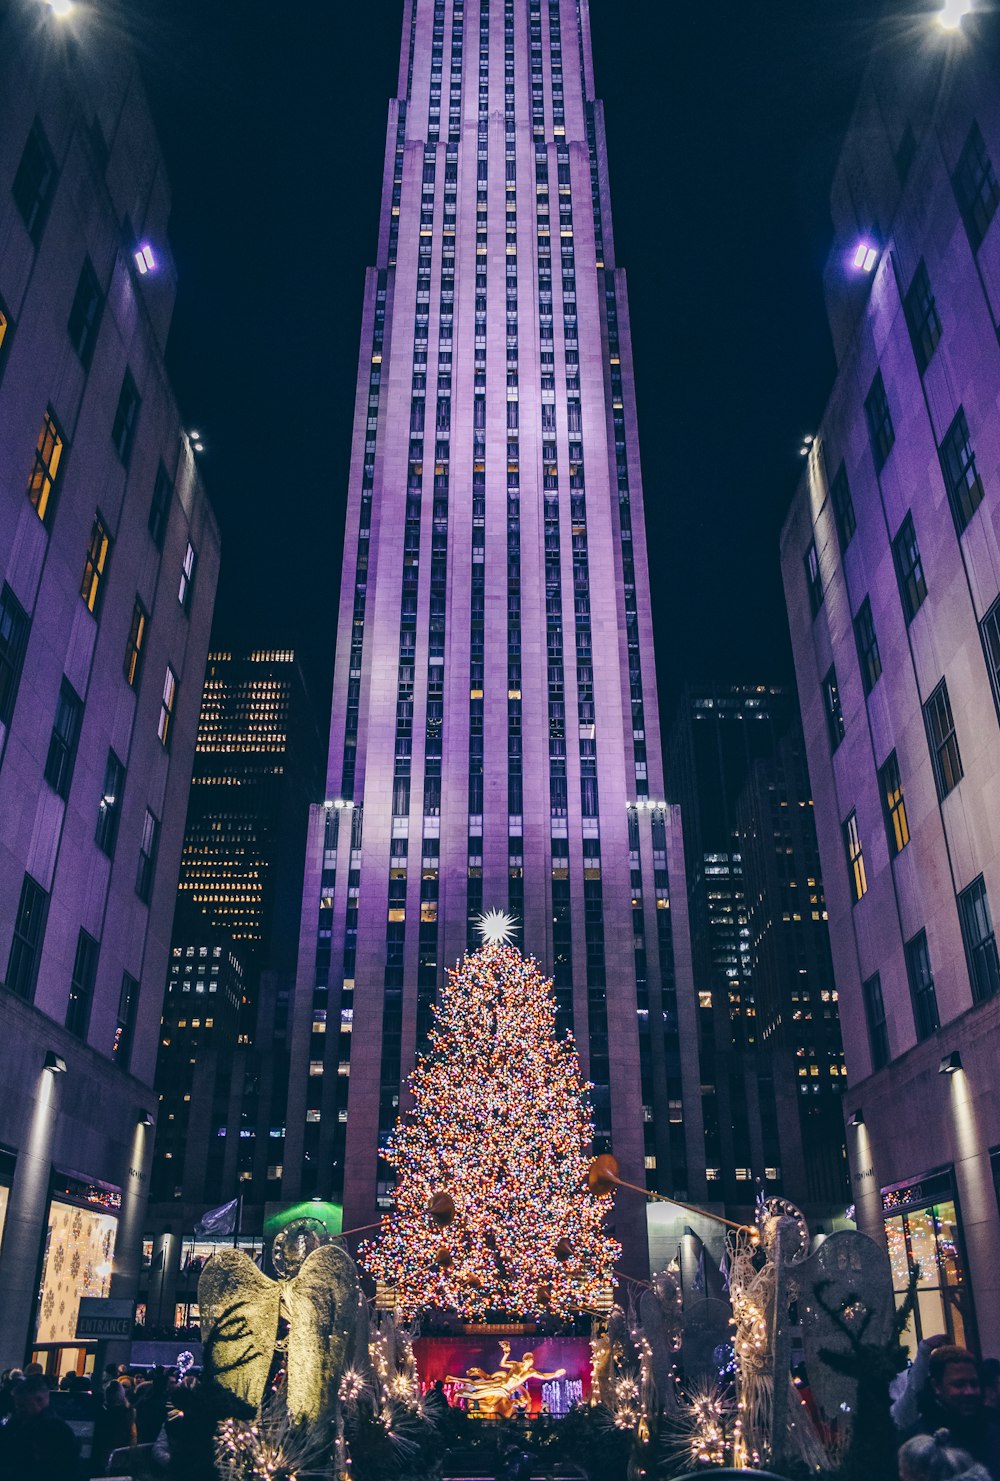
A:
[857,1118]
[950,1064]
[865,257]
[145,259]
[54,1062]
[144,1118]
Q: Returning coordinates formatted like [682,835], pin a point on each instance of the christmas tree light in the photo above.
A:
[493,1213]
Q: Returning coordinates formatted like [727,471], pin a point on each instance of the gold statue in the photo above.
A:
[504,1392]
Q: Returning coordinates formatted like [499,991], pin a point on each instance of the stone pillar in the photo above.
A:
[128,1243]
[977,1204]
[163,1280]
[865,1184]
[24,1231]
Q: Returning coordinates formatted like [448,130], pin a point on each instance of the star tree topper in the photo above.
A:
[497,927]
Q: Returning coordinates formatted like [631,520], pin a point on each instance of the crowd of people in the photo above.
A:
[947,1410]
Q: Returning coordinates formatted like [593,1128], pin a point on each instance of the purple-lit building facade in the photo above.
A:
[494,738]
[109,559]
[891,564]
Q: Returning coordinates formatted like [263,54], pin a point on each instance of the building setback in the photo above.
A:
[494,739]
[108,565]
[890,558]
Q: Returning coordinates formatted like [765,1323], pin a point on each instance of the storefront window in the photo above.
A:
[79,1251]
[928,1238]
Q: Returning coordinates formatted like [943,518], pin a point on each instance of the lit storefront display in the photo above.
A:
[922,1227]
[79,1253]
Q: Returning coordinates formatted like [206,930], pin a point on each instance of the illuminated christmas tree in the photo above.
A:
[493,1213]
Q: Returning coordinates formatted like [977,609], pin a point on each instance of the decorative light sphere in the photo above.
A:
[496,927]
[442,1209]
[603,1175]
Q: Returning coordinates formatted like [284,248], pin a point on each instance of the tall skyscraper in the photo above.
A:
[494,740]
[890,558]
[109,557]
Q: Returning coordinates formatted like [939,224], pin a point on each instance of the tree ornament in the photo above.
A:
[442,1209]
[603,1175]
[444,1257]
[564,1250]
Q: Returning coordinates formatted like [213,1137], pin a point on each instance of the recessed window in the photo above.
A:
[921,979]
[6,330]
[893,805]
[976,188]
[187,577]
[26,946]
[35,182]
[14,626]
[989,629]
[109,808]
[85,315]
[843,508]
[814,581]
[878,1029]
[867,645]
[922,318]
[832,707]
[880,429]
[81,989]
[909,569]
[133,648]
[95,565]
[855,857]
[980,941]
[958,464]
[63,742]
[943,741]
[148,848]
[121,1044]
[167,706]
[43,482]
[126,418]
[159,509]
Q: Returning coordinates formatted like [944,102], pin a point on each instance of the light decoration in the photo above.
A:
[496,927]
[145,259]
[273,1447]
[865,257]
[501,1122]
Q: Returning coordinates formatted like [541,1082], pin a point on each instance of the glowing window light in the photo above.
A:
[865,257]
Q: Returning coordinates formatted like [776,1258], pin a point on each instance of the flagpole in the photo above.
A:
[238,1226]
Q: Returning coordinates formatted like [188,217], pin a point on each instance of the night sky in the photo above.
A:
[724,121]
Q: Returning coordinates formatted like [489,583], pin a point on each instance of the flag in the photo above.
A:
[724,1272]
[216,1221]
[698,1282]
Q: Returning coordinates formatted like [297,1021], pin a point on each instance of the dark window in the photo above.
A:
[879,418]
[878,1030]
[909,568]
[95,565]
[943,740]
[814,580]
[167,707]
[867,643]
[35,182]
[45,471]
[924,998]
[855,857]
[85,315]
[159,510]
[843,507]
[893,805]
[980,942]
[65,735]
[29,927]
[832,707]
[976,187]
[990,630]
[906,153]
[187,577]
[136,638]
[110,808]
[922,318]
[121,1045]
[126,417]
[81,988]
[147,856]
[14,625]
[958,463]
[6,331]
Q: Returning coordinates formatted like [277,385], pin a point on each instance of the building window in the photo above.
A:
[921,978]
[878,1029]
[121,1044]
[147,856]
[922,318]
[843,508]
[893,805]
[85,315]
[867,644]
[958,464]
[81,988]
[813,579]
[126,418]
[989,629]
[879,419]
[35,182]
[14,625]
[187,577]
[909,569]
[133,648]
[45,472]
[832,708]
[855,857]
[6,330]
[167,706]
[943,740]
[110,808]
[976,187]
[94,567]
[930,1238]
[980,942]
[25,949]
[159,510]
[63,743]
